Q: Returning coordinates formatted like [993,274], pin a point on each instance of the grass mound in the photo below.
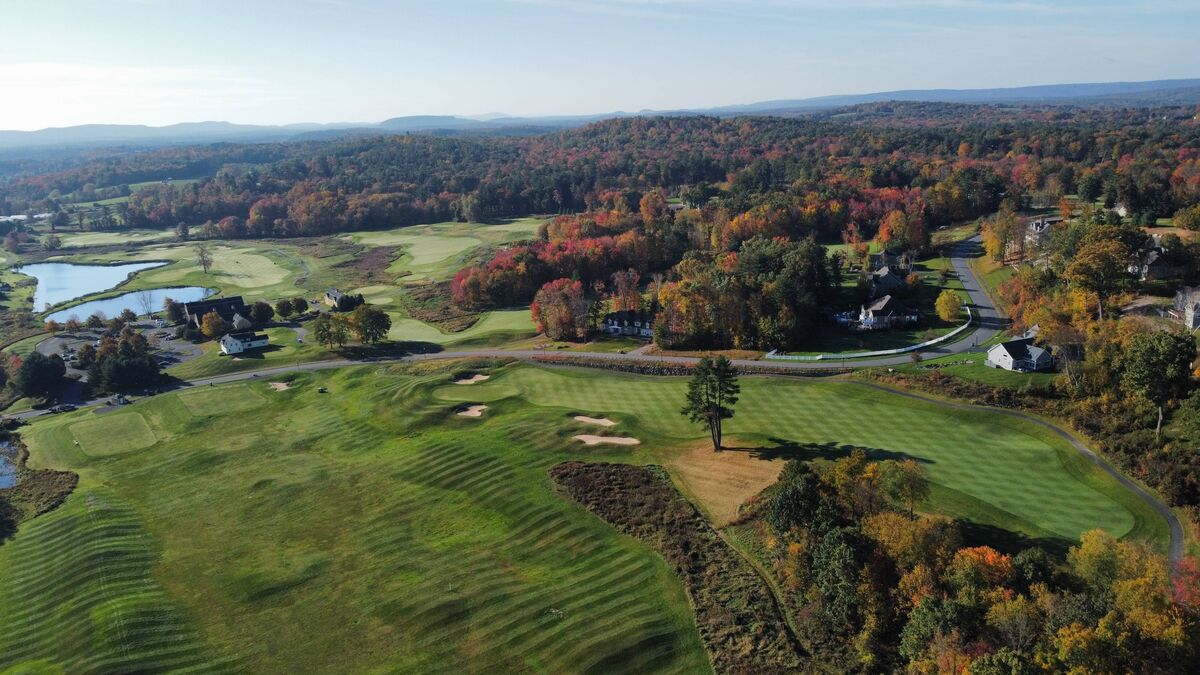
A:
[113,434]
[77,596]
[208,401]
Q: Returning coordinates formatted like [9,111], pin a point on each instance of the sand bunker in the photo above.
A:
[473,379]
[473,411]
[601,421]
[611,440]
[280,386]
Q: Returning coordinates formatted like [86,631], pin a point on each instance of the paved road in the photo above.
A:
[990,323]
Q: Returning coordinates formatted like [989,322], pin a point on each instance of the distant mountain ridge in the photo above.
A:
[1148,93]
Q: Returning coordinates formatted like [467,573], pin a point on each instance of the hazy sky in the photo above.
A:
[66,62]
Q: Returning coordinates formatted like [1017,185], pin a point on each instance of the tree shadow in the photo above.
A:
[787,449]
[389,350]
[1008,541]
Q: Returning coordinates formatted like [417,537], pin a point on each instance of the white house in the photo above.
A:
[884,313]
[236,343]
[1020,355]
[627,322]
[1037,231]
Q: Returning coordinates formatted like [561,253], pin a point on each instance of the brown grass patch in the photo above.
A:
[722,481]
[742,354]
[431,303]
[740,622]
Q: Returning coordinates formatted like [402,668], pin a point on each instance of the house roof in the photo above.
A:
[222,306]
[886,305]
[246,336]
[334,293]
[1022,349]
[885,271]
[628,316]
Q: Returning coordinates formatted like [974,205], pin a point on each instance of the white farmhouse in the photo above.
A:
[236,343]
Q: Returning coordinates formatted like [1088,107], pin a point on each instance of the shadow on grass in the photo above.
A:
[786,449]
[1007,541]
[388,350]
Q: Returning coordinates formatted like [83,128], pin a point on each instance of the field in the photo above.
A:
[435,252]
[371,528]
[122,238]
[259,270]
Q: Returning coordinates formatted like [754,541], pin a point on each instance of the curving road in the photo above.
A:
[990,323]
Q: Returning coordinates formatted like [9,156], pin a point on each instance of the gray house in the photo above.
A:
[1020,355]
[1187,307]
[885,280]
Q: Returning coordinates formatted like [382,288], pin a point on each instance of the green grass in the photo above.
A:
[492,328]
[367,529]
[973,367]
[214,402]
[981,454]
[436,252]
[991,274]
[113,434]
[88,239]
[26,346]
[282,350]
[371,529]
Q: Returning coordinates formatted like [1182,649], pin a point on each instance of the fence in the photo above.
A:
[774,355]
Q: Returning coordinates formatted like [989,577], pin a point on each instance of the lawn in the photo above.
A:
[26,346]
[89,239]
[491,329]
[972,366]
[435,252]
[988,456]
[214,402]
[282,350]
[371,528]
[113,433]
[991,274]
[367,529]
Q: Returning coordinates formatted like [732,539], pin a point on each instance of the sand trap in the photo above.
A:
[280,386]
[611,440]
[473,411]
[473,379]
[601,421]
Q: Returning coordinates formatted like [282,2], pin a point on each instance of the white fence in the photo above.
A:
[776,356]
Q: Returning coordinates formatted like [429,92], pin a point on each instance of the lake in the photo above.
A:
[60,282]
[134,300]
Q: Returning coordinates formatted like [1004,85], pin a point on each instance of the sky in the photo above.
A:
[157,62]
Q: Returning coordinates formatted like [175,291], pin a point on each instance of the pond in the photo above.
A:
[137,301]
[8,469]
[60,282]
